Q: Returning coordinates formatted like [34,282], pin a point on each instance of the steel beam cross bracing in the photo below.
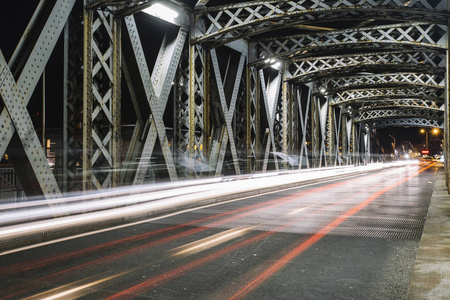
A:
[22,89]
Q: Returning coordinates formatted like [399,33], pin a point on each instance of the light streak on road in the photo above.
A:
[211,241]
[257,220]
[73,290]
[316,237]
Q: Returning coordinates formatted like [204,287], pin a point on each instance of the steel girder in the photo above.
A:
[30,161]
[235,21]
[415,35]
[413,122]
[375,114]
[376,80]
[400,103]
[363,95]
[310,69]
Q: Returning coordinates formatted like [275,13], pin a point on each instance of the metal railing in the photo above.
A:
[10,188]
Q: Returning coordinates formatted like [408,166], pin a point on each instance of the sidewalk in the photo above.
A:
[431,273]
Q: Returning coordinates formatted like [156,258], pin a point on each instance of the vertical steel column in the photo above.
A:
[304,123]
[181,111]
[331,136]
[447,110]
[315,127]
[73,100]
[367,144]
[198,110]
[286,125]
[253,120]
[116,110]
[294,127]
[347,125]
[323,119]
[355,143]
[88,21]
[344,138]
[278,124]
[101,100]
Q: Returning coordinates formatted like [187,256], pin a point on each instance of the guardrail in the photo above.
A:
[10,187]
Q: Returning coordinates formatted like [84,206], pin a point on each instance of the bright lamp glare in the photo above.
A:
[276,65]
[163,12]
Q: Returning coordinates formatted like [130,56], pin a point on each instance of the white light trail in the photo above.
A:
[211,241]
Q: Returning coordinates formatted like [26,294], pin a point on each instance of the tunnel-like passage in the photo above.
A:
[104,93]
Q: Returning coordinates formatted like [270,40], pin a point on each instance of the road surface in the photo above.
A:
[349,238]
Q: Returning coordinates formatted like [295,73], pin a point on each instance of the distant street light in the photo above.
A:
[426,137]
[434,132]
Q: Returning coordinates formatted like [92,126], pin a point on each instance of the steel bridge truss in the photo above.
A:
[417,35]
[230,22]
[251,86]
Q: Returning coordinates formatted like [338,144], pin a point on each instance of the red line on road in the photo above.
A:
[177,272]
[316,237]
[241,213]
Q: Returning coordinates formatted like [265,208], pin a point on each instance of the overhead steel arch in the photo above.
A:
[223,24]
[368,80]
[402,122]
[375,114]
[310,69]
[400,103]
[362,95]
[419,36]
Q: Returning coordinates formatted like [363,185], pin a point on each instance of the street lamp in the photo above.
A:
[426,137]
[435,132]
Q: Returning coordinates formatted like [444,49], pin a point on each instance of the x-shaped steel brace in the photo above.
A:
[228,112]
[271,91]
[156,103]
[16,96]
[303,123]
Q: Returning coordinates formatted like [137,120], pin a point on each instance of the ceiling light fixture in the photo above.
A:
[162,12]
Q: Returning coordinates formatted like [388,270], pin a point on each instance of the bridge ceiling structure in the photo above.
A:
[367,55]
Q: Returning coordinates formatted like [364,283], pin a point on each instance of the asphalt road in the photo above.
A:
[352,238]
